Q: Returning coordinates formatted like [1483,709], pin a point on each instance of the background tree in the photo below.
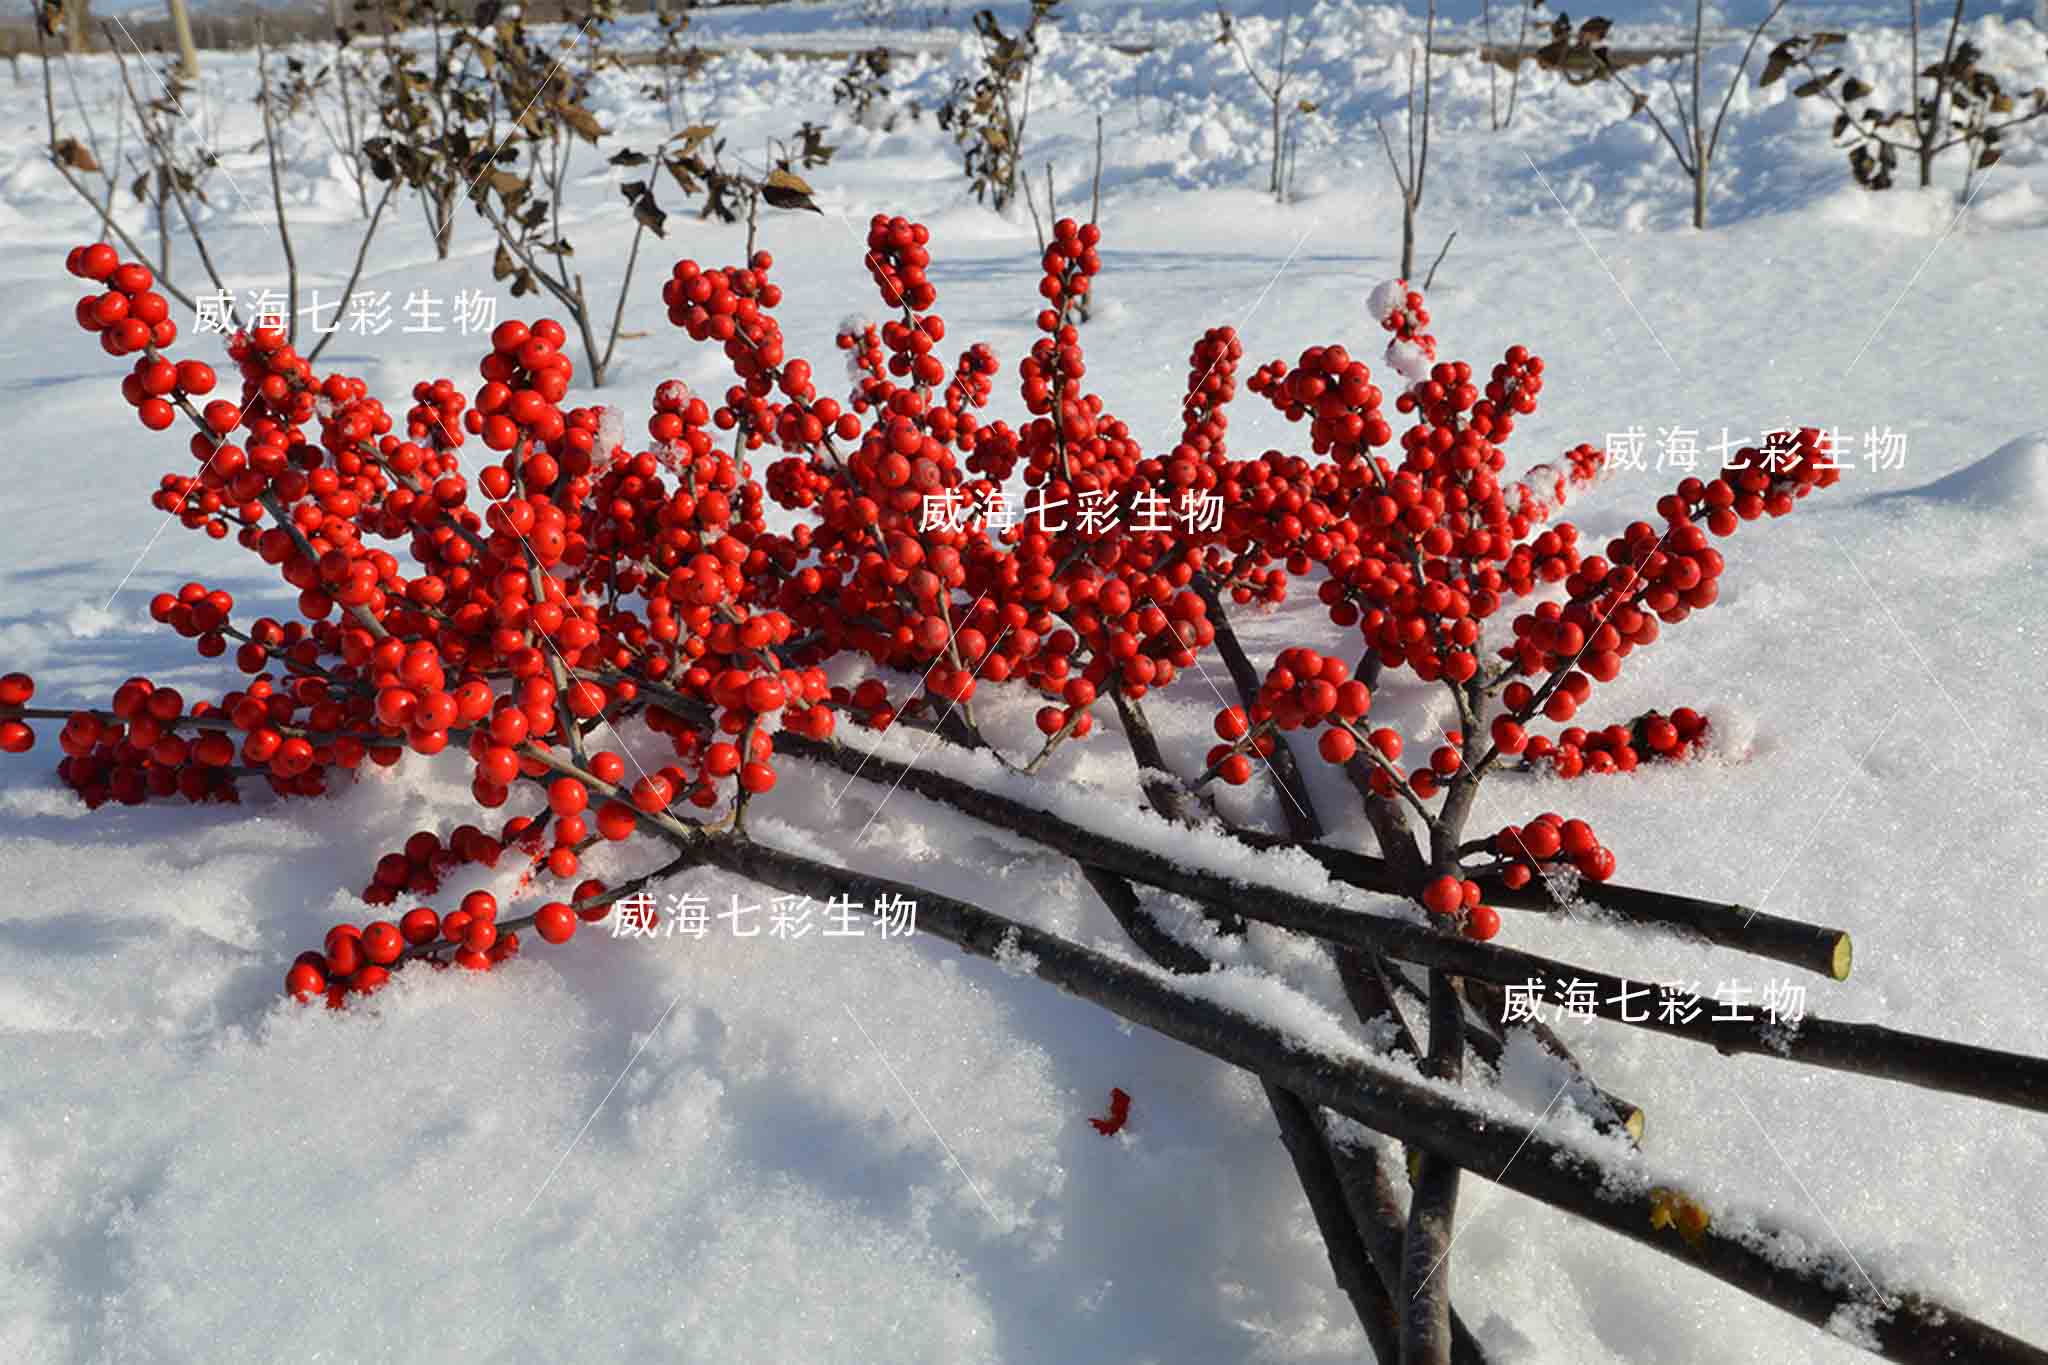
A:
[1273,86]
[1963,105]
[181,28]
[1691,139]
[987,113]
[1409,175]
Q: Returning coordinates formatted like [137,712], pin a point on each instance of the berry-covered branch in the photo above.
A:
[607,625]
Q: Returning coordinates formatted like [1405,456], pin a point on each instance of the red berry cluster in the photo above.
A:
[16,690]
[522,609]
[1335,394]
[1426,551]
[1401,310]
[1457,901]
[150,743]
[1615,603]
[359,960]
[1546,843]
[1650,737]
[129,316]
[897,258]
[417,869]
[525,375]
[1303,689]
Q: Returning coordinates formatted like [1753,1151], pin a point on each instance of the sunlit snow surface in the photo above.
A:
[857,1150]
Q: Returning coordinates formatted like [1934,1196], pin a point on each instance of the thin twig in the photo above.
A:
[1031,203]
[284,233]
[362,254]
[105,214]
[1430,280]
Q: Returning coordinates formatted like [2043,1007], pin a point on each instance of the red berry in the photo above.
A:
[304,981]
[344,954]
[1538,841]
[99,261]
[615,820]
[382,942]
[567,796]
[556,922]
[499,766]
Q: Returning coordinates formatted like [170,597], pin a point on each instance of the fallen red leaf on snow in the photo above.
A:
[1119,1111]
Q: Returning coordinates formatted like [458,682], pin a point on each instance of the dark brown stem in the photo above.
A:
[1361,975]
[1868,1049]
[1167,794]
[625,286]
[1362,1166]
[1400,857]
[1820,1288]
[1608,1113]
[1319,1166]
[1815,947]
[1433,1205]
[1031,206]
[1095,191]
[1314,1164]
[1296,806]
[1429,280]
[1425,1274]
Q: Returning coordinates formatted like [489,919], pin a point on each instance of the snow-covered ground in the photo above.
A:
[864,1150]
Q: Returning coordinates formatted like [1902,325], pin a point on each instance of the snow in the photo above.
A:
[611,423]
[825,1149]
[1387,299]
[2011,482]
